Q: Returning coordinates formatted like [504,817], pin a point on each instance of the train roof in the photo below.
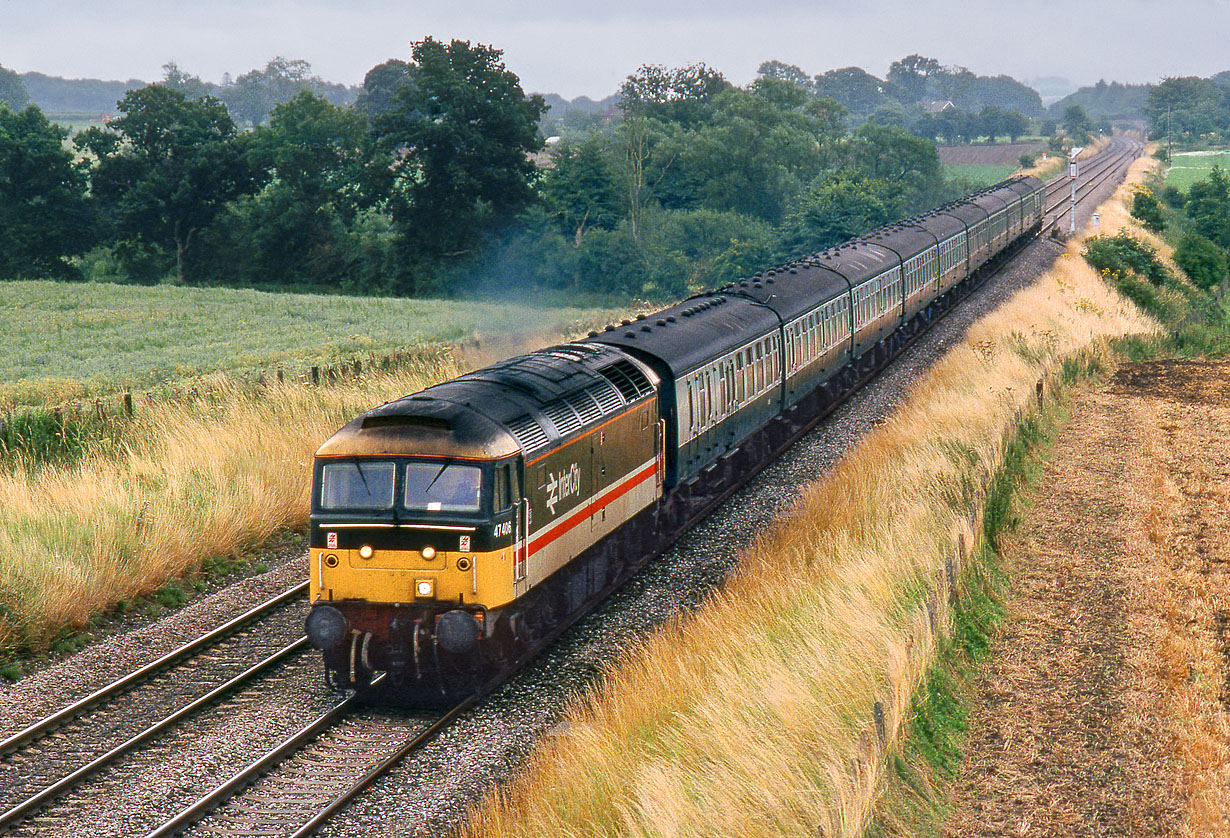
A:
[792,289]
[905,238]
[520,404]
[692,333]
[858,260]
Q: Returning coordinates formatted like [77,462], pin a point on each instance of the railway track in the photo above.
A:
[299,784]
[309,776]
[1093,173]
[46,760]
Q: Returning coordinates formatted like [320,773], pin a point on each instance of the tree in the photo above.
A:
[1076,124]
[458,135]
[908,77]
[252,96]
[835,208]
[854,88]
[1188,108]
[1147,209]
[1202,260]
[186,83]
[297,230]
[166,168]
[683,94]
[910,164]
[1208,206]
[581,190]
[12,90]
[380,87]
[44,217]
[785,72]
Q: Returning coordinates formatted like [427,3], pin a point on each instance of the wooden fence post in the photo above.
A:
[128,410]
[316,375]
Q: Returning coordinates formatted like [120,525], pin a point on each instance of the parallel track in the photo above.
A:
[44,761]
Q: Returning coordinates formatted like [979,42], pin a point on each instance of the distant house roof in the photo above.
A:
[937,106]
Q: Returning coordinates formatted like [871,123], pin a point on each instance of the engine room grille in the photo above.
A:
[607,397]
[585,406]
[564,417]
[528,432]
[628,379]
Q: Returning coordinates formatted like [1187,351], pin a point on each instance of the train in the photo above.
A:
[456,531]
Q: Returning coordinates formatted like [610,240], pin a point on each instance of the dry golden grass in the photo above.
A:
[754,715]
[195,479]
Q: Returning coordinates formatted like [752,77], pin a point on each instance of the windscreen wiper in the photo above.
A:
[447,463]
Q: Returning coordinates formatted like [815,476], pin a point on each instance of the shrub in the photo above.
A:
[1121,255]
[1148,210]
[1172,196]
[1201,260]
[1027,160]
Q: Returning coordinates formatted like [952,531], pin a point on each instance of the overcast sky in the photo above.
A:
[575,47]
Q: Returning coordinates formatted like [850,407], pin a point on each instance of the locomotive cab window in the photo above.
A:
[502,491]
[446,487]
[357,485]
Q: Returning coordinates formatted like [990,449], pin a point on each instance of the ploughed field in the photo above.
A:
[1106,706]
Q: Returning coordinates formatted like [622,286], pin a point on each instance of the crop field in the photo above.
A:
[66,341]
[1188,167]
[980,173]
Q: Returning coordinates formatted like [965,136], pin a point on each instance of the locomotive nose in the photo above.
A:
[325,626]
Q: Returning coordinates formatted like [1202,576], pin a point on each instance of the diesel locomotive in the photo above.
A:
[456,531]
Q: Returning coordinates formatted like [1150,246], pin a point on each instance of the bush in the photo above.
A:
[1201,260]
[1027,160]
[1121,255]
[1172,196]
[1148,210]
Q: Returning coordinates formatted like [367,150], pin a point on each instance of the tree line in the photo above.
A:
[435,180]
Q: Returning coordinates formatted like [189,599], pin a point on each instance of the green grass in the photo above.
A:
[1188,167]
[980,173]
[64,341]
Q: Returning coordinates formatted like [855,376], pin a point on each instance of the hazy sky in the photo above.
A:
[576,48]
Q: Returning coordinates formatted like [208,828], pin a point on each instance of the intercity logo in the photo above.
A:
[563,485]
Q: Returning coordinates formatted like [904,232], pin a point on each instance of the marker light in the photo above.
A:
[365,551]
[429,552]
[424,588]
[330,560]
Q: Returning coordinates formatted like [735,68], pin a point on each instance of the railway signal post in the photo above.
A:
[1073,171]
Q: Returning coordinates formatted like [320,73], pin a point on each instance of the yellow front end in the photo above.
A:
[408,576]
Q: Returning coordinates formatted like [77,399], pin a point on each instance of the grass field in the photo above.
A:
[1188,167]
[65,341]
[980,173]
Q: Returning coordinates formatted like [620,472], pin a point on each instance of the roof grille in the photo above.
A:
[607,397]
[628,379]
[565,418]
[528,432]
[585,406]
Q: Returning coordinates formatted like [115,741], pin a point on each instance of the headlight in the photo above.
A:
[365,551]
[424,588]
[429,552]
